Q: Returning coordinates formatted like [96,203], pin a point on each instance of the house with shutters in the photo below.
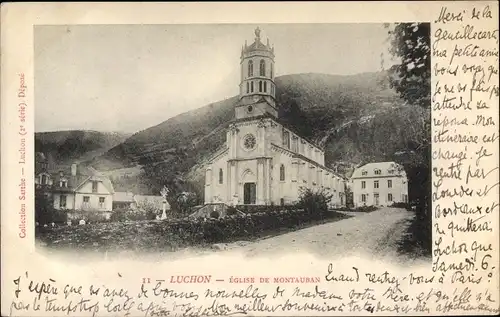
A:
[78,188]
[379,184]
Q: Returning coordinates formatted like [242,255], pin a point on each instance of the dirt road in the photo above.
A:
[376,233]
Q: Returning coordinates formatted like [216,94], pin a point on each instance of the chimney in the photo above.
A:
[73,169]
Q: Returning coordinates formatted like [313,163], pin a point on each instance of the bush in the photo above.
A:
[250,209]
[183,232]
[365,209]
[52,215]
[401,205]
[314,203]
[121,215]
[231,211]
[90,216]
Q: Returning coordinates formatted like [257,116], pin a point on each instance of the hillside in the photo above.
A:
[356,118]
[64,147]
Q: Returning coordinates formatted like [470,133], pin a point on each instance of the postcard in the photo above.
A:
[250,159]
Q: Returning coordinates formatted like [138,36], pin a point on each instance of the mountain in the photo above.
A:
[65,147]
[356,118]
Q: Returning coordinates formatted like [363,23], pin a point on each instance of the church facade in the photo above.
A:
[264,162]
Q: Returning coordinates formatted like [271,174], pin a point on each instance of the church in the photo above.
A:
[263,161]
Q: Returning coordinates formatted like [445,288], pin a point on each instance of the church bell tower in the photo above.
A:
[257,87]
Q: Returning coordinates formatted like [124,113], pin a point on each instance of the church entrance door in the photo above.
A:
[249,191]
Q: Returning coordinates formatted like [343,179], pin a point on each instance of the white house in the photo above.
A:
[263,161]
[379,184]
[80,188]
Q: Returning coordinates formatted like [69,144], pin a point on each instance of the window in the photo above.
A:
[63,183]
[282,173]
[249,141]
[248,87]
[363,184]
[260,86]
[86,199]
[282,201]
[375,184]
[62,201]
[286,139]
[221,176]
[377,172]
[101,202]
[262,68]
[363,198]
[295,145]
[389,183]
[94,186]
[272,89]
[44,180]
[251,86]
[271,70]
[250,68]
[265,86]
[389,197]
[364,173]
[391,171]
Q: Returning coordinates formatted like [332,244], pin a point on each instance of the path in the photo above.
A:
[376,233]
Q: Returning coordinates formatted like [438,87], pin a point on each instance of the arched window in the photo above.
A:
[262,68]
[271,70]
[248,87]
[260,86]
[250,68]
[282,172]
[221,176]
[251,86]
[265,86]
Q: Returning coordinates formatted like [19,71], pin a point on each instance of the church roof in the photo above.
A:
[306,159]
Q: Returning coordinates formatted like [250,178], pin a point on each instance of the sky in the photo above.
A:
[126,78]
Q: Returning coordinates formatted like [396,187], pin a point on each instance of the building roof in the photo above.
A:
[306,159]
[386,169]
[83,174]
[123,197]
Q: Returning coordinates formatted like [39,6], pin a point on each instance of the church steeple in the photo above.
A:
[257,87]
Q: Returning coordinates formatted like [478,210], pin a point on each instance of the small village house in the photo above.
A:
[379,184]
[129,200]
[79,188]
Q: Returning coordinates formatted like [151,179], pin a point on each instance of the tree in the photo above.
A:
[45,212]
[411,78]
